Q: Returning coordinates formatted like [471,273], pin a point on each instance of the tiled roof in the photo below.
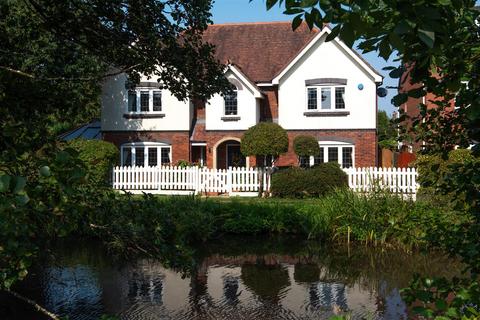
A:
[261,50]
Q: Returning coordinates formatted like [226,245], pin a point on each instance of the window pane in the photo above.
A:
[139,156]
[157,101]
[312,98]
[326,98]
[231,103]
[132,101]
[339,98]
[152,156]
[304,162]
[127,156]
[333,154]
[319,158]
[165,156]
[347,157]
[144,97]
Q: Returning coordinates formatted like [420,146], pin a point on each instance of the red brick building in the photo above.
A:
[296,79]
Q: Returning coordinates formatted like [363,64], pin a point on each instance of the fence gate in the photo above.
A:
[212,180]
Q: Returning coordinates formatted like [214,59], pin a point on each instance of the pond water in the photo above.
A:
[236,278]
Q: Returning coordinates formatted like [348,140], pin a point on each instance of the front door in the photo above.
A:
[234,157]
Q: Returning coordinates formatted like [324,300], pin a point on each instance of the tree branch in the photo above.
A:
[31,76]
[35,305]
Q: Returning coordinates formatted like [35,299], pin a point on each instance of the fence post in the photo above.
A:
[229,180]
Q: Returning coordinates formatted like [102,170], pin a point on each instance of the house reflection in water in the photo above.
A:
[222,287]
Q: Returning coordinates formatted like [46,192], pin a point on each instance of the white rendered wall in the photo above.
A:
[114,106]
[327,60]
[248,109]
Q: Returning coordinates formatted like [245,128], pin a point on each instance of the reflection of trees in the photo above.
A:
[230,290]
[265,280]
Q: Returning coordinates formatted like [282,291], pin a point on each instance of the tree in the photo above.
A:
[265,139]
[54,57]
[305,146]
[387,133]
[438,41]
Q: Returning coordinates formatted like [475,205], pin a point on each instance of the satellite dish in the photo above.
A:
[382,92]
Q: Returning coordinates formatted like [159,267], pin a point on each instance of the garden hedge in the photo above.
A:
[311,182]
[98,156]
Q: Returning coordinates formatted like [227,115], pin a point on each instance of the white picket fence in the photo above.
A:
[396,180]
[246,181]
[178,180]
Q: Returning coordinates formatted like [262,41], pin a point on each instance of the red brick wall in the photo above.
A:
[269,105]
[179,140]
[365,145]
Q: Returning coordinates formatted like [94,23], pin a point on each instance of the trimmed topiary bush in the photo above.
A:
[313,182]
[305,146]
[265,139]
[99,157]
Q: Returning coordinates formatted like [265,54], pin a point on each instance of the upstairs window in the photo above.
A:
[157,101]
[325,98]
[144,100]
[312,98]
[231,103]
[132,101]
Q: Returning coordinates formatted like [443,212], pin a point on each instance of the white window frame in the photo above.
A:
[145,146]
[339,146]
[332,98]
[225,105]
[138,90]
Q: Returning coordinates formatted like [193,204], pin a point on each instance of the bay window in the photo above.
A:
[145,154]
[325,98]
[144,100]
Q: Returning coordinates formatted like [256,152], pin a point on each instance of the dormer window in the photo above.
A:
[325,98]
[231,103]
[144,100]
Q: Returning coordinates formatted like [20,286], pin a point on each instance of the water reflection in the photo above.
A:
[264,279]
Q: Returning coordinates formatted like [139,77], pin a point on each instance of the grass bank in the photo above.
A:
[343,216]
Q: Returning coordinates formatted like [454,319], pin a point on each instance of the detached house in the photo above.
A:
[296,79]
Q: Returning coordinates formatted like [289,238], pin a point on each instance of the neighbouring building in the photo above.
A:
[296,79]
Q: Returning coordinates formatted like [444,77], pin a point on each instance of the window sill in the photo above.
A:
[326,113]
[231,118]
[143,115]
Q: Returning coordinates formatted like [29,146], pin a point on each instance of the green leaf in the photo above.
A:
[271,3]
[348,35]
[334,33]
[308,3]
[297,21]
[22,199]
[5,183]
[400,99]
[396,73]
[20,183]
[441,304]
[427,37]
[45,171]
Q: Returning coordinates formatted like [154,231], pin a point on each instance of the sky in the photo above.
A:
[225,11]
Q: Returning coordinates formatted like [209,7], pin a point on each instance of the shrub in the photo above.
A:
[433,171]
[313,182]
[98,156]
[305,146]
[264,139]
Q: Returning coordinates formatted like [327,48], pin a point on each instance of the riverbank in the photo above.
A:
[381,219]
